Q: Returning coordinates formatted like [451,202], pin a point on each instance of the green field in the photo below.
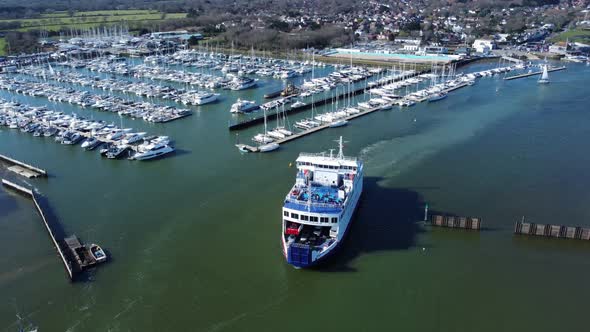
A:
[100,13]
[2,46]
[575,35]
[56,21]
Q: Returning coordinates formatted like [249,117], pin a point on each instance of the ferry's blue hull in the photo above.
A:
[298,264]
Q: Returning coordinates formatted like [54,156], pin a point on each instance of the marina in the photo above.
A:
[156,216]
[71,130]
[221,166]
[141,110]
[440,90]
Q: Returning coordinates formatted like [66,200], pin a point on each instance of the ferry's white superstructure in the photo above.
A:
[318,209]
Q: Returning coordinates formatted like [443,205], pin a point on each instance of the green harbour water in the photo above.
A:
[194,238]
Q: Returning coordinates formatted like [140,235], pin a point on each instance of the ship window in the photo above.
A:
[334,220]
[285,213]
[294,216]
[313,219]
[304,217]
[324,219]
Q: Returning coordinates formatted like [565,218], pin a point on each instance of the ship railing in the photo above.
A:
[313,203]
[304,154]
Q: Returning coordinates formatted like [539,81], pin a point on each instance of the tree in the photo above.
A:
[193,41]
[515,24]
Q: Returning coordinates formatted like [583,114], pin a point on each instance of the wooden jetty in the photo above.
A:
[552,231]
[456,222]
[75,256]
[250,148]
[22,168]
[260,119]
[456,87]
[303,133]
[533,73]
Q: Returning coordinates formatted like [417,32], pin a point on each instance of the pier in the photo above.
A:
[532,73]
[456,222]
[552,231]
[250,148]
[22,168]
[75,256]
[260,119]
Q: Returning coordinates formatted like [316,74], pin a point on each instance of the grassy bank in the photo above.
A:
[574,35]
[2,47]
[55,21]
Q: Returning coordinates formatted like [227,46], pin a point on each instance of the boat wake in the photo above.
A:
[391,157]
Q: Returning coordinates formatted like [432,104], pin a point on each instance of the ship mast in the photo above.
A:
[340,149]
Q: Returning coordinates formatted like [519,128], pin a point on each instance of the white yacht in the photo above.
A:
[243,106]
[297,104]
[242,83]
[133,138]
[268,147]
[202,98]
[544,76]
[152,151]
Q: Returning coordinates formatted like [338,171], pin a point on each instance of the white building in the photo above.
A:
[557,49]
[411,47]
[483,45]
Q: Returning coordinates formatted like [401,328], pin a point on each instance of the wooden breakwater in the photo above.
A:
[56,241]
[22,168]
[456,222]
[553,231]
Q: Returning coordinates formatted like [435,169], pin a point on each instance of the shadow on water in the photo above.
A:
[177,153]
[387,219]
[8,205]
[51,217]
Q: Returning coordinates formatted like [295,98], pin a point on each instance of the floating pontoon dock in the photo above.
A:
[358,91]
[533,73]
[327,125]
[22,168]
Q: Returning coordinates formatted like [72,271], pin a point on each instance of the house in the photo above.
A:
[408,40]
[557,49]
[411,47]
[464,51]
[484,45]
[182,35]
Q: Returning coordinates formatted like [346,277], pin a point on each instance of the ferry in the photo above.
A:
[318,210]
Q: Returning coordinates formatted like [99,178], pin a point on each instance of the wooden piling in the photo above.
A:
[552,231]
[456,222]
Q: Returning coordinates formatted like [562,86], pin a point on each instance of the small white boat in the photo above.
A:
[545,76]
[298,104]
[437,97]
[268,147]
[338,123]
[97,252]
